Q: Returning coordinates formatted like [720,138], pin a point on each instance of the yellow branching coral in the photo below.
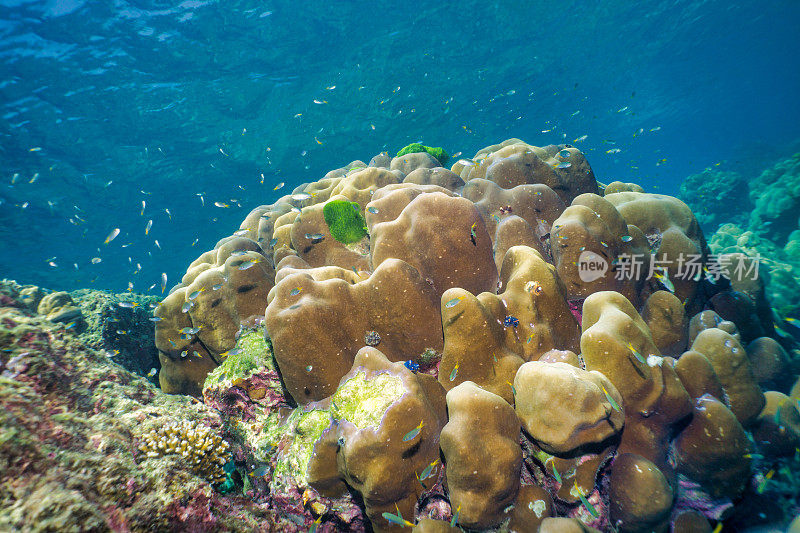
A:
[205,452]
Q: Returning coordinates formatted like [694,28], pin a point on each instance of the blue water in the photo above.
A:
[115,103]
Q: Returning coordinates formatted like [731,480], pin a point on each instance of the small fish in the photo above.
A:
[260,471]
[414,432]
[241,232]
[216,287]
[35,149]
[411,365]
[295,291]
[279,186]
[513,390]
[663,277]
[155,319]
[613,151]
[636,354]
[111,236]
[373,210]
[320,101]
[454,520]
[221,204]
[589,507]
[564,165]
[196,293]
[190,331]
[753,456]
[301,196]
[510,321]
[473,234]
[530,338]
[96,260]
[718,528]
[763,484]
[71,325]
[168,213]
[148,226]
[314,524]
[556,474]
[428,471]
[453,302]
[581,138]
[396,519]
[614,404]
[454,372]
[152,373]
[127,305]
[777,417]
[157,244]
[248,264]
[626,238]
[121,332]
[273,242]
[163,282]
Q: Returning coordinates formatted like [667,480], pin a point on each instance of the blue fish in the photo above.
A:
[411,365]
[511,321]
[411,435]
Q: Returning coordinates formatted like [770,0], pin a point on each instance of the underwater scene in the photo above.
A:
[379,267]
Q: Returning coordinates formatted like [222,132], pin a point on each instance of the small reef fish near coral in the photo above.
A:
[384,374]
[337,267]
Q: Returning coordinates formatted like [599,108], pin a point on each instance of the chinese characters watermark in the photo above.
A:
[737,267]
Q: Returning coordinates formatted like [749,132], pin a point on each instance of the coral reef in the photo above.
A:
[603,386]
[763,224]
[119,324]
[509,345]
[71,421]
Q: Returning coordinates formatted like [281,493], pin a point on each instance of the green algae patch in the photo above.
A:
[345,221]
[359,400]
[305,429]
[437,152]
[363,401]
[252,353]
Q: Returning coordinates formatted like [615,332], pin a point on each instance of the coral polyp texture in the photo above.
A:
[507,344]
[204,451]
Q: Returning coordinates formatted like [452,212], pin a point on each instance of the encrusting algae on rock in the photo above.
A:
[464,365]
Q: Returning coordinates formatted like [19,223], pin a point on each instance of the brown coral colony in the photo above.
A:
[591,366]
